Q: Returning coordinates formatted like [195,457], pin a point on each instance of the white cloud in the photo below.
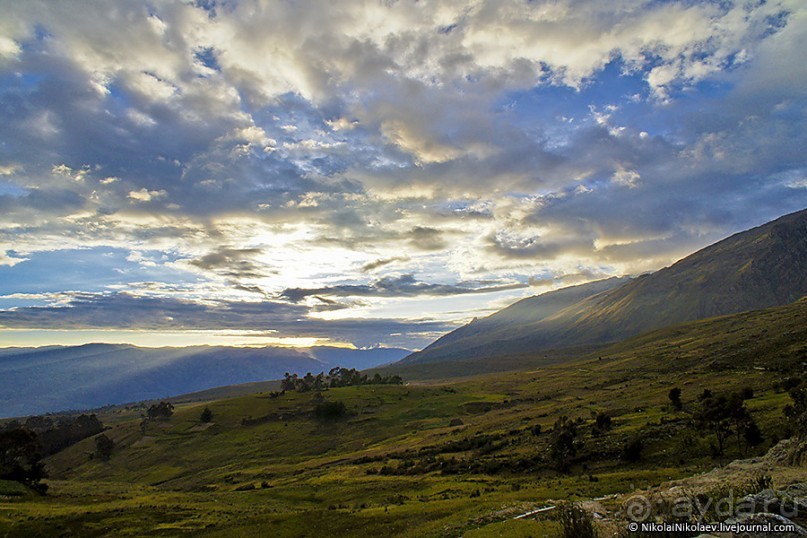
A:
[9,49]
[10,261]
[144,195]
[10,169]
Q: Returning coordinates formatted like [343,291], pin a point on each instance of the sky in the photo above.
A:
[374,173]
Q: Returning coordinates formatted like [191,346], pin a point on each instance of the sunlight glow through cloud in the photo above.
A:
[369,172]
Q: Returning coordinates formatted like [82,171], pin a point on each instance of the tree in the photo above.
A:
[796,413]
[563,443]
[56,435]
[602,423]
[207,415]
[103,447]
[746,429]
[716,415]
[675,397]
[160,410]
[753,436]
[307,384]
[289,382]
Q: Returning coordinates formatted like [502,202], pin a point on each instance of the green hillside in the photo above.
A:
[428,459]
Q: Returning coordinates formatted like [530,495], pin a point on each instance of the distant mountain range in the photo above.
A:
[57,378]
[759,268]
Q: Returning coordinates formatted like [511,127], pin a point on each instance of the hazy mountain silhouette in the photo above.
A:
[55,378]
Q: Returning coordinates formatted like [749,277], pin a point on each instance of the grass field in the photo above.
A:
[430,458]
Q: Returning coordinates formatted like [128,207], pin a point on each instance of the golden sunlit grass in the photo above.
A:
[266,466]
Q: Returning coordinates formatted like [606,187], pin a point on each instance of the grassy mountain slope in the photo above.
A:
[513,324]
[759,268]
[442,459]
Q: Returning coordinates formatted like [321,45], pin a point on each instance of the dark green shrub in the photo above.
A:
[330,410]
[632,450]
[103,447]
[675,398]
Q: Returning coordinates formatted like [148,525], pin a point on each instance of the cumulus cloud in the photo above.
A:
[144,195]
[317,151]
[10,260]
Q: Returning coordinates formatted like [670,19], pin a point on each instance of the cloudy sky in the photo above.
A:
[376,172]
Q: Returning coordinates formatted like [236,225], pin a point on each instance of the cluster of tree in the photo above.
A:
[337,377]
[306,383]
[347,377]
[57,433]
[724,416]
[21,458]
[160,410]
[564,442]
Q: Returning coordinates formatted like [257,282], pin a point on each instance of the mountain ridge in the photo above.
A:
[761,267]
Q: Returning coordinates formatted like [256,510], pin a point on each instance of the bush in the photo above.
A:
[103,447]
[330,410]
[602,423]
[632,450]
[207,415]
[675,398]
[575,521]
[790,383]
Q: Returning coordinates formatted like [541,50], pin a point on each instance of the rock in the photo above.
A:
[791,452]
[766,518]
[797,491]
[776,502]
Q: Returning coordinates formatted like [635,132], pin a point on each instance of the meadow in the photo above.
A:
[433,457]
